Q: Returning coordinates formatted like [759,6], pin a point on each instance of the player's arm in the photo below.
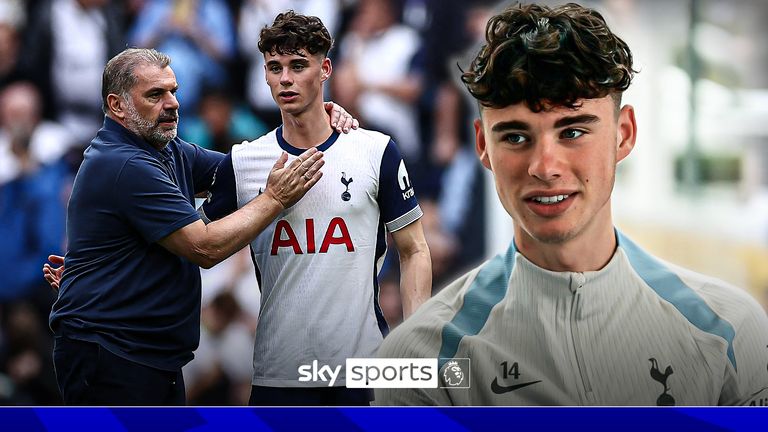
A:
[207,245]
[415,267]
[401,213]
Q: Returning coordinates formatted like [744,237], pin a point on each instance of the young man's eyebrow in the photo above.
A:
[583,118]
[293,61]
[512,124]
[562,122]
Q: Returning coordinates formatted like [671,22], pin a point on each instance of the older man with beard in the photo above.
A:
[128,313]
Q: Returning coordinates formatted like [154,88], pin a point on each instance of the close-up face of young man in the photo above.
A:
[554,170]
[296,80]
[151,109]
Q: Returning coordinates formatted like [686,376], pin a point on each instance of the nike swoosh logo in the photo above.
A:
[499,389]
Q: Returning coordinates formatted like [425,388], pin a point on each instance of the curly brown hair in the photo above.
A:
[548,57]
[292,32]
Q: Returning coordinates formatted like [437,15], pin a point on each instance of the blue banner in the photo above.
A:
[382,419]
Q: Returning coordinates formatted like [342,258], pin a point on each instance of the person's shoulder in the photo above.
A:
[113,154]
[420,335]
[182,144]
[268,138]
[733,303]
[372,137]
[689,291]
[263,142]
[367,142]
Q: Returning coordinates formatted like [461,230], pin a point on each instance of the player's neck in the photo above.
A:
[308,129]
[589,250]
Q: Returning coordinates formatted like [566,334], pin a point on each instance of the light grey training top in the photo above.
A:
[637,332]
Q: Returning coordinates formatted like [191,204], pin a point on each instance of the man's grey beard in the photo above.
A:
[146,128]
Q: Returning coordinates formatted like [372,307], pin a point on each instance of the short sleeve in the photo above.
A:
[204,165]
[151,202]
[397,199]
[222,196]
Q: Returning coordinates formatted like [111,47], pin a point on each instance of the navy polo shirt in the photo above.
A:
[120,288]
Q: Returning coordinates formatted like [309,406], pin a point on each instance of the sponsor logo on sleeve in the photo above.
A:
[404,181]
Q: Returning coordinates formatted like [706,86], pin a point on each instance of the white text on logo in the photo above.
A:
[315,372]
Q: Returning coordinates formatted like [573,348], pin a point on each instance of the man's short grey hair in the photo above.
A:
[118,75]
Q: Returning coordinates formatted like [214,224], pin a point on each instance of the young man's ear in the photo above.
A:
[626,132]
[326,69]
[115,106]
[480,144]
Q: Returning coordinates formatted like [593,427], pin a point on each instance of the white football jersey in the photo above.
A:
[318,261]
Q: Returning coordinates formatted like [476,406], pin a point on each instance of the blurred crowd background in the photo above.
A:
[694,191]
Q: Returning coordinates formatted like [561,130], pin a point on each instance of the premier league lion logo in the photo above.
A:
[452,374]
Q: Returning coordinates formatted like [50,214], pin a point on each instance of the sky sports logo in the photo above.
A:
[392,373]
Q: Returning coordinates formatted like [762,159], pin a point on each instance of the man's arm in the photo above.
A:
[401,213]
[207,245]
[415,267]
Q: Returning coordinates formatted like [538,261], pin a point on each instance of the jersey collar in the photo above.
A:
[285,145]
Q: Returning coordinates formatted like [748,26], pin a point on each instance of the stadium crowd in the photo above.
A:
[396,71]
